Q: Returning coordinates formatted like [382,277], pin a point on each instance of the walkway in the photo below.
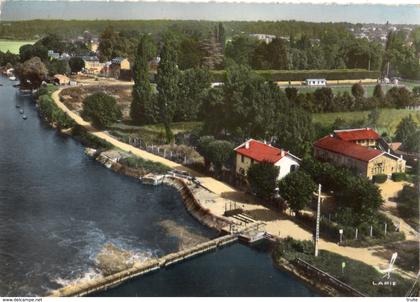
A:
[276,223]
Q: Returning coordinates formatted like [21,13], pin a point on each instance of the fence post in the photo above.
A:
[371,231]
[356,234]
[185,159]
[385,228]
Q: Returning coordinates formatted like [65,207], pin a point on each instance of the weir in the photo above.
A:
[99,284]
[221,224]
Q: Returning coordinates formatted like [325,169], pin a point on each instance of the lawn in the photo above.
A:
[388,119]
[12,46]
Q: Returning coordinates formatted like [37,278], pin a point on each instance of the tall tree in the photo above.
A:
[213,52]
[262,178]
[297,188]
[31,73]
[167,80]
[143,105]
[357,91]
[405,129]
[278,54]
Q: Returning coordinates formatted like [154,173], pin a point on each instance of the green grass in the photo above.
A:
[357,274]
[12,46]
[388,120]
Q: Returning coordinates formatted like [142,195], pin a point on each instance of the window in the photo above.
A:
[242,158]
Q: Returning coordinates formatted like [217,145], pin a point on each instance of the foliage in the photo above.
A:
[76,64]
[262,178]
[297,188]
[357,274]
[29,51]
[53,114]
[357,91]
[89,140]
[101,109]
[147,165]
[398,176]
[216,152]
[167,80]
[143,106]
[31,73]
[379,178]
[58,67]
[405,130]
[408,202]
[8,58]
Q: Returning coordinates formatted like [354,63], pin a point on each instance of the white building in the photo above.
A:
[253,151]
[316,82]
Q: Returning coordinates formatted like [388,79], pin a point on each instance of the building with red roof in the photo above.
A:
[354,150]
[362,136]
[253,151]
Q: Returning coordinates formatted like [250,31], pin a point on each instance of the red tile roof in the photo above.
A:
[357,134]
[261,152]
[346,148]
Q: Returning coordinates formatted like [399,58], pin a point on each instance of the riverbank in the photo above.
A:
[224,194]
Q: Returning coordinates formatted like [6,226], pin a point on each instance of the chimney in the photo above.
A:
[282,152]
[247,145]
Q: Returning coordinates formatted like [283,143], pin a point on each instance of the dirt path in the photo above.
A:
[276,223]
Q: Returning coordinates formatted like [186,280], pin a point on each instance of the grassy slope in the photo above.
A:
[388,119]
[12,46]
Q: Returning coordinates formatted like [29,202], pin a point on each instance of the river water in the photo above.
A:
[59,208]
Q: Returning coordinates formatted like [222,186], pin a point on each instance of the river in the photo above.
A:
[59,208]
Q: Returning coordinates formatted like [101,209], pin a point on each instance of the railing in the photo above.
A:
[328,278]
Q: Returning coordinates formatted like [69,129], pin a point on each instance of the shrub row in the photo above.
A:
[301,75]
[52,113]
[147,165]
[88,139]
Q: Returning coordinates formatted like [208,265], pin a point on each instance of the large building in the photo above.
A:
[253,151]
[358,150]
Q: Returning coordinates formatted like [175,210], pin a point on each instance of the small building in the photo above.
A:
[253,151]
[92,65]
[358,150]
[61,79]
[316,82]
[120,69]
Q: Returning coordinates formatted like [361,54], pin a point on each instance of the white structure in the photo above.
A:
[253,151]
[316,82]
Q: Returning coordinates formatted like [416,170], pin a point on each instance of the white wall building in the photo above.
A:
[253,151]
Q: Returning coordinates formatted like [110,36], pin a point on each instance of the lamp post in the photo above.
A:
[318,214]
[341,235]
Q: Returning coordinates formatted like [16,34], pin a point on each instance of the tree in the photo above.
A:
[190,54]
[52,42]
[297,188]
[357,91]
[291,93]
[373,117]
[262,178]
[406,127]
[400,97]
[278,54]
[241,49]
[408,201]
[29,51]
[76,64]
[101,109]
[58,67]
[107,42]
[32,73]
[216,152]
[212,52]
[324,98]
[378,92]
[167,80]
[143,105]
[194,84]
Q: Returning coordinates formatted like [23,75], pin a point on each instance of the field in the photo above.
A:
[12,46]
[388,119]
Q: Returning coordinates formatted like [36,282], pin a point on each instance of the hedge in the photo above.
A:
[301,75]
[379,178]
[52,113]
[149,166]
[398,176]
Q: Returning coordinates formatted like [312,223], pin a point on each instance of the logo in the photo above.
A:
[386,278]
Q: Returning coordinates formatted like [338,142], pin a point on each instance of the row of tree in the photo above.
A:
[325,100]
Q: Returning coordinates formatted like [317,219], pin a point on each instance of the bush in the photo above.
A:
[398,176]
[101,109]
[53,114]
[147,165]
[379,178]
[89,140]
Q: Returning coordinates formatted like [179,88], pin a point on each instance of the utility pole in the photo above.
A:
[318,214]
